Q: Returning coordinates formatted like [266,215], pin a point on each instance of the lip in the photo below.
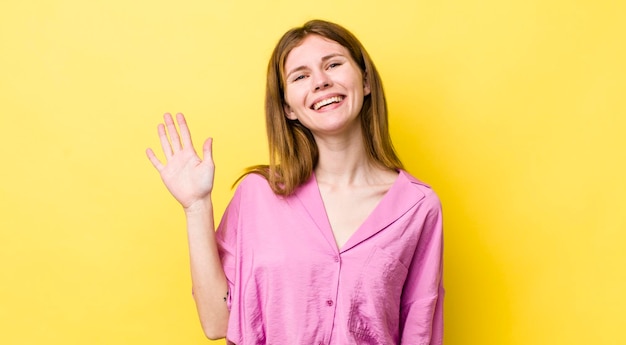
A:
[319,99]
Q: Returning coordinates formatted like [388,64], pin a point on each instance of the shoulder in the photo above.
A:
[254,187]
[252,180]
[419,187]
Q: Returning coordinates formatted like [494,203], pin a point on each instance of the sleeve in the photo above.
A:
[226,237]
[421,311]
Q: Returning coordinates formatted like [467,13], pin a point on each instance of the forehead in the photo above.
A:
[313,48]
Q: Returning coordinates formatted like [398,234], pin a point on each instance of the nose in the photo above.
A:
[321,81]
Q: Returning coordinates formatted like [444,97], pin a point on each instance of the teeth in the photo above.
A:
[327,101]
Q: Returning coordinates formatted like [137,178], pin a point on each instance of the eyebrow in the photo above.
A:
[324,59]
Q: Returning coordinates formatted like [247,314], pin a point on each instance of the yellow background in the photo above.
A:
[513,110]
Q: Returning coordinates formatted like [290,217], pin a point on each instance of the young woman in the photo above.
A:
[332,242]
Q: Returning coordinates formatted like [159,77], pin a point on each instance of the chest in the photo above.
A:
[347,210]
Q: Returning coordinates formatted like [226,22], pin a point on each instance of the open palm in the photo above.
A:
[188,177]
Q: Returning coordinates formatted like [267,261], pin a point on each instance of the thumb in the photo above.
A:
[207,150]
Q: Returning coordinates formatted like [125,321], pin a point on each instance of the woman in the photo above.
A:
[332,242]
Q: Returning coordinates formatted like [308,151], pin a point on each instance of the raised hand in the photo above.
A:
[188,177]
[190,180]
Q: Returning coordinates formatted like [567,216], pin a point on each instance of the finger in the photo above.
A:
[173,132]
[185,134]
[165,143]
[154,160]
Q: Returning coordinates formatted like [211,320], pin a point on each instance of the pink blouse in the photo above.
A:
[290,284]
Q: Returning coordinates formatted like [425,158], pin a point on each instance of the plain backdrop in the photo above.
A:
[514,112]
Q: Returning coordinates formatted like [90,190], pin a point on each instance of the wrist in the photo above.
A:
[199,206]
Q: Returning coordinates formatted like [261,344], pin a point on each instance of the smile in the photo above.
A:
[327,101]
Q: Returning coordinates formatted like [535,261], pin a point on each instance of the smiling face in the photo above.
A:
[324,87]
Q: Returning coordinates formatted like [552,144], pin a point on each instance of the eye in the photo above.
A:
[299,77]
[334,64]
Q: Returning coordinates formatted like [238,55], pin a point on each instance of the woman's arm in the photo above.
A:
[207,275]
[190,180]
[421,314]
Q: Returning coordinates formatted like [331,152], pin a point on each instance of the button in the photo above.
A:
[336,259]
[329,303]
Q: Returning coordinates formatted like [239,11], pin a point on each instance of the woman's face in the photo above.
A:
[324,87]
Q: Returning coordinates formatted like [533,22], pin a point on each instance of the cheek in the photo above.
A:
[288,95]
[291,104]
[288,99]
[294,96]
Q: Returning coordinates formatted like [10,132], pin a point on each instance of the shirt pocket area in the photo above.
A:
[375,302]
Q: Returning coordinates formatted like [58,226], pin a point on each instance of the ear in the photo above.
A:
[366,85]
[289,113]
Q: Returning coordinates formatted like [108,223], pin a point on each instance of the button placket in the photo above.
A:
[330,300]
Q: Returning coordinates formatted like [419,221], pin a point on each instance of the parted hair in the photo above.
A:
[293,153]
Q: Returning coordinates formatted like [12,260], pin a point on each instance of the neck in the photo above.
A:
[343,161]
